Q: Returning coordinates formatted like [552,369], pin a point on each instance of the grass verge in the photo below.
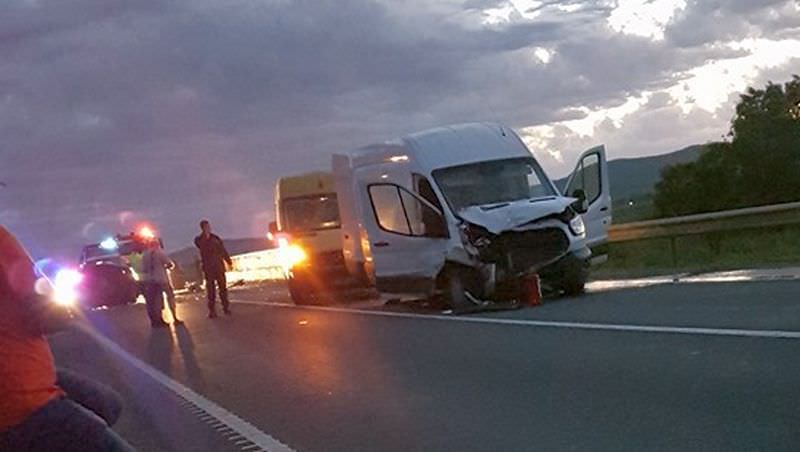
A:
[754,248]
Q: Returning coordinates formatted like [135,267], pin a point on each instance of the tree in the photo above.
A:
[675,191]
[766,143]
[759,165]
[702,186]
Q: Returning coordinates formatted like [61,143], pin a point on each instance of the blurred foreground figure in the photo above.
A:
[41,410]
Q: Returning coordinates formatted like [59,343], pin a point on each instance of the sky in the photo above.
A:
[114,113]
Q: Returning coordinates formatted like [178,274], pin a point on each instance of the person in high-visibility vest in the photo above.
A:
[155,278]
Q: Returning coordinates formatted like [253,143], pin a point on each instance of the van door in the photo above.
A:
[407,238]
[591,176]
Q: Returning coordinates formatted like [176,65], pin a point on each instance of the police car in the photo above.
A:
[108,269]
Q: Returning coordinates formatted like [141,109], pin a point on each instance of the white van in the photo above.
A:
[466,212]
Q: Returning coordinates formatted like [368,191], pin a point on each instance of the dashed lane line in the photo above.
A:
[699,331]
[222,420]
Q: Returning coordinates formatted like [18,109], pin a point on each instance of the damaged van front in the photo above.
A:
[466,213]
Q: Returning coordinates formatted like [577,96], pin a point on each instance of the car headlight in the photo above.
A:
[577,226]
[65,287]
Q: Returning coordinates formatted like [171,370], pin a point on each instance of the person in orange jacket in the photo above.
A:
[42,409]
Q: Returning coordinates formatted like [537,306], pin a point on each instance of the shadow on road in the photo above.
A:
[186,346]
[161,346]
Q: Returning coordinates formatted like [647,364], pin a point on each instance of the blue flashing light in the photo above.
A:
[109,244]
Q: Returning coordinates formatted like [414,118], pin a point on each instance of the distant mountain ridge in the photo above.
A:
[637,177]
[634,177]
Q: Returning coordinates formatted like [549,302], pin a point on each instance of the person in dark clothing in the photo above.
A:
[214,256]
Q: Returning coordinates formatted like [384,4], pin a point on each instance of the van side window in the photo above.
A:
[397,210]
[389,209]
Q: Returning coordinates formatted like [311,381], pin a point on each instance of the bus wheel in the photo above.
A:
[302,294]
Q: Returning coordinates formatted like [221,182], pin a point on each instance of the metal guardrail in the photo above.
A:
[266,265]
[728,220]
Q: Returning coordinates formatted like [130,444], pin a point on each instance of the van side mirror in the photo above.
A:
[580,205]
[273,228]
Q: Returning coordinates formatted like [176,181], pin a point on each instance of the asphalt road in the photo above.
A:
[366,377]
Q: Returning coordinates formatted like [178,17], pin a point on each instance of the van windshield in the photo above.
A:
[310,213]
[493,182]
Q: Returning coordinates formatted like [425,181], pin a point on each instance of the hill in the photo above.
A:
[633,182]
[636,177]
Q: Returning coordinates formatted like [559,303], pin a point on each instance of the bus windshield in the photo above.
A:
[311,213]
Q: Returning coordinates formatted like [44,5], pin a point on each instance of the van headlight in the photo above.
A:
[577,226]
[474,235]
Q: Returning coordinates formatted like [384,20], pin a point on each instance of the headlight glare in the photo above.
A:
[291,255]
[65,287]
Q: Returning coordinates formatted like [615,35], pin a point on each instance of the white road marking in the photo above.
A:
[772,334]
[220,414]
[753,275]
[634,283]
[776,274]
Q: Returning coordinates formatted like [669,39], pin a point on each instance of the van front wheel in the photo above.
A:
[573,283]
[455,284]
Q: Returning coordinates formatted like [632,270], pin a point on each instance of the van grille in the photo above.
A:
[526,251]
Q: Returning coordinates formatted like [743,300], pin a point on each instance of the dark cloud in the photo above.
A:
[114,112]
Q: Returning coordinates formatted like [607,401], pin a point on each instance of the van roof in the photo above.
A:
[446,146]
[306,184]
